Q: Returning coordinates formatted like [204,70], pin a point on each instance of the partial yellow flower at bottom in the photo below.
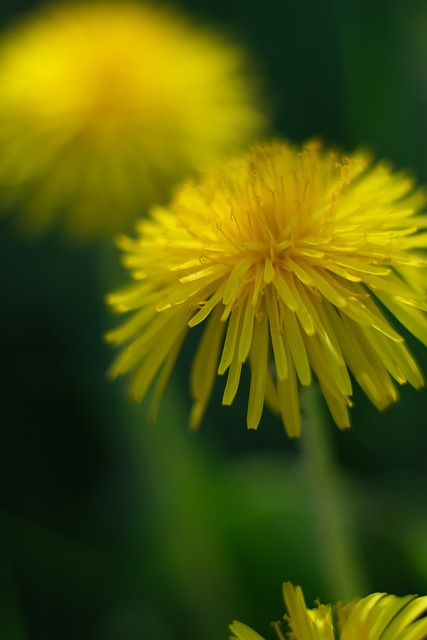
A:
[285,257]
[379,616]
[105,105]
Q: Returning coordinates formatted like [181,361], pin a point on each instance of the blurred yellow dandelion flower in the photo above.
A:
[286,256]
[104,106]
[379,616]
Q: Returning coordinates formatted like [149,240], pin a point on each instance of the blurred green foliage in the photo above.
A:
[115,529]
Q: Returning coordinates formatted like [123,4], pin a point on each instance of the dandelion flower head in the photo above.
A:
[286,257]
[104,106]
[379,616]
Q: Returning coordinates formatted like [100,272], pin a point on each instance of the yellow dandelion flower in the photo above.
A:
[379,616]
[287,257]
[104,106]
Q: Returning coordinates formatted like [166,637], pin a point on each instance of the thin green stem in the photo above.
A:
[339,552]
[190,555]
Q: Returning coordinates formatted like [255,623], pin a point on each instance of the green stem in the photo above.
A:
[331,504]
[12,624]
[191,558]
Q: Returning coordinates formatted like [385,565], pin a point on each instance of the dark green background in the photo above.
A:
[112,529]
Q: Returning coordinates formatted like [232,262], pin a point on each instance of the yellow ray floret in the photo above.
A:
[105,105]
[379,616]
[287,258]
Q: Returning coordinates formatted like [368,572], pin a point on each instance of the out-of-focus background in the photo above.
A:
[114,529]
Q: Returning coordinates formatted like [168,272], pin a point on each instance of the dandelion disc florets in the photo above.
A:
[105,105]
[287,258]
[378,616]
